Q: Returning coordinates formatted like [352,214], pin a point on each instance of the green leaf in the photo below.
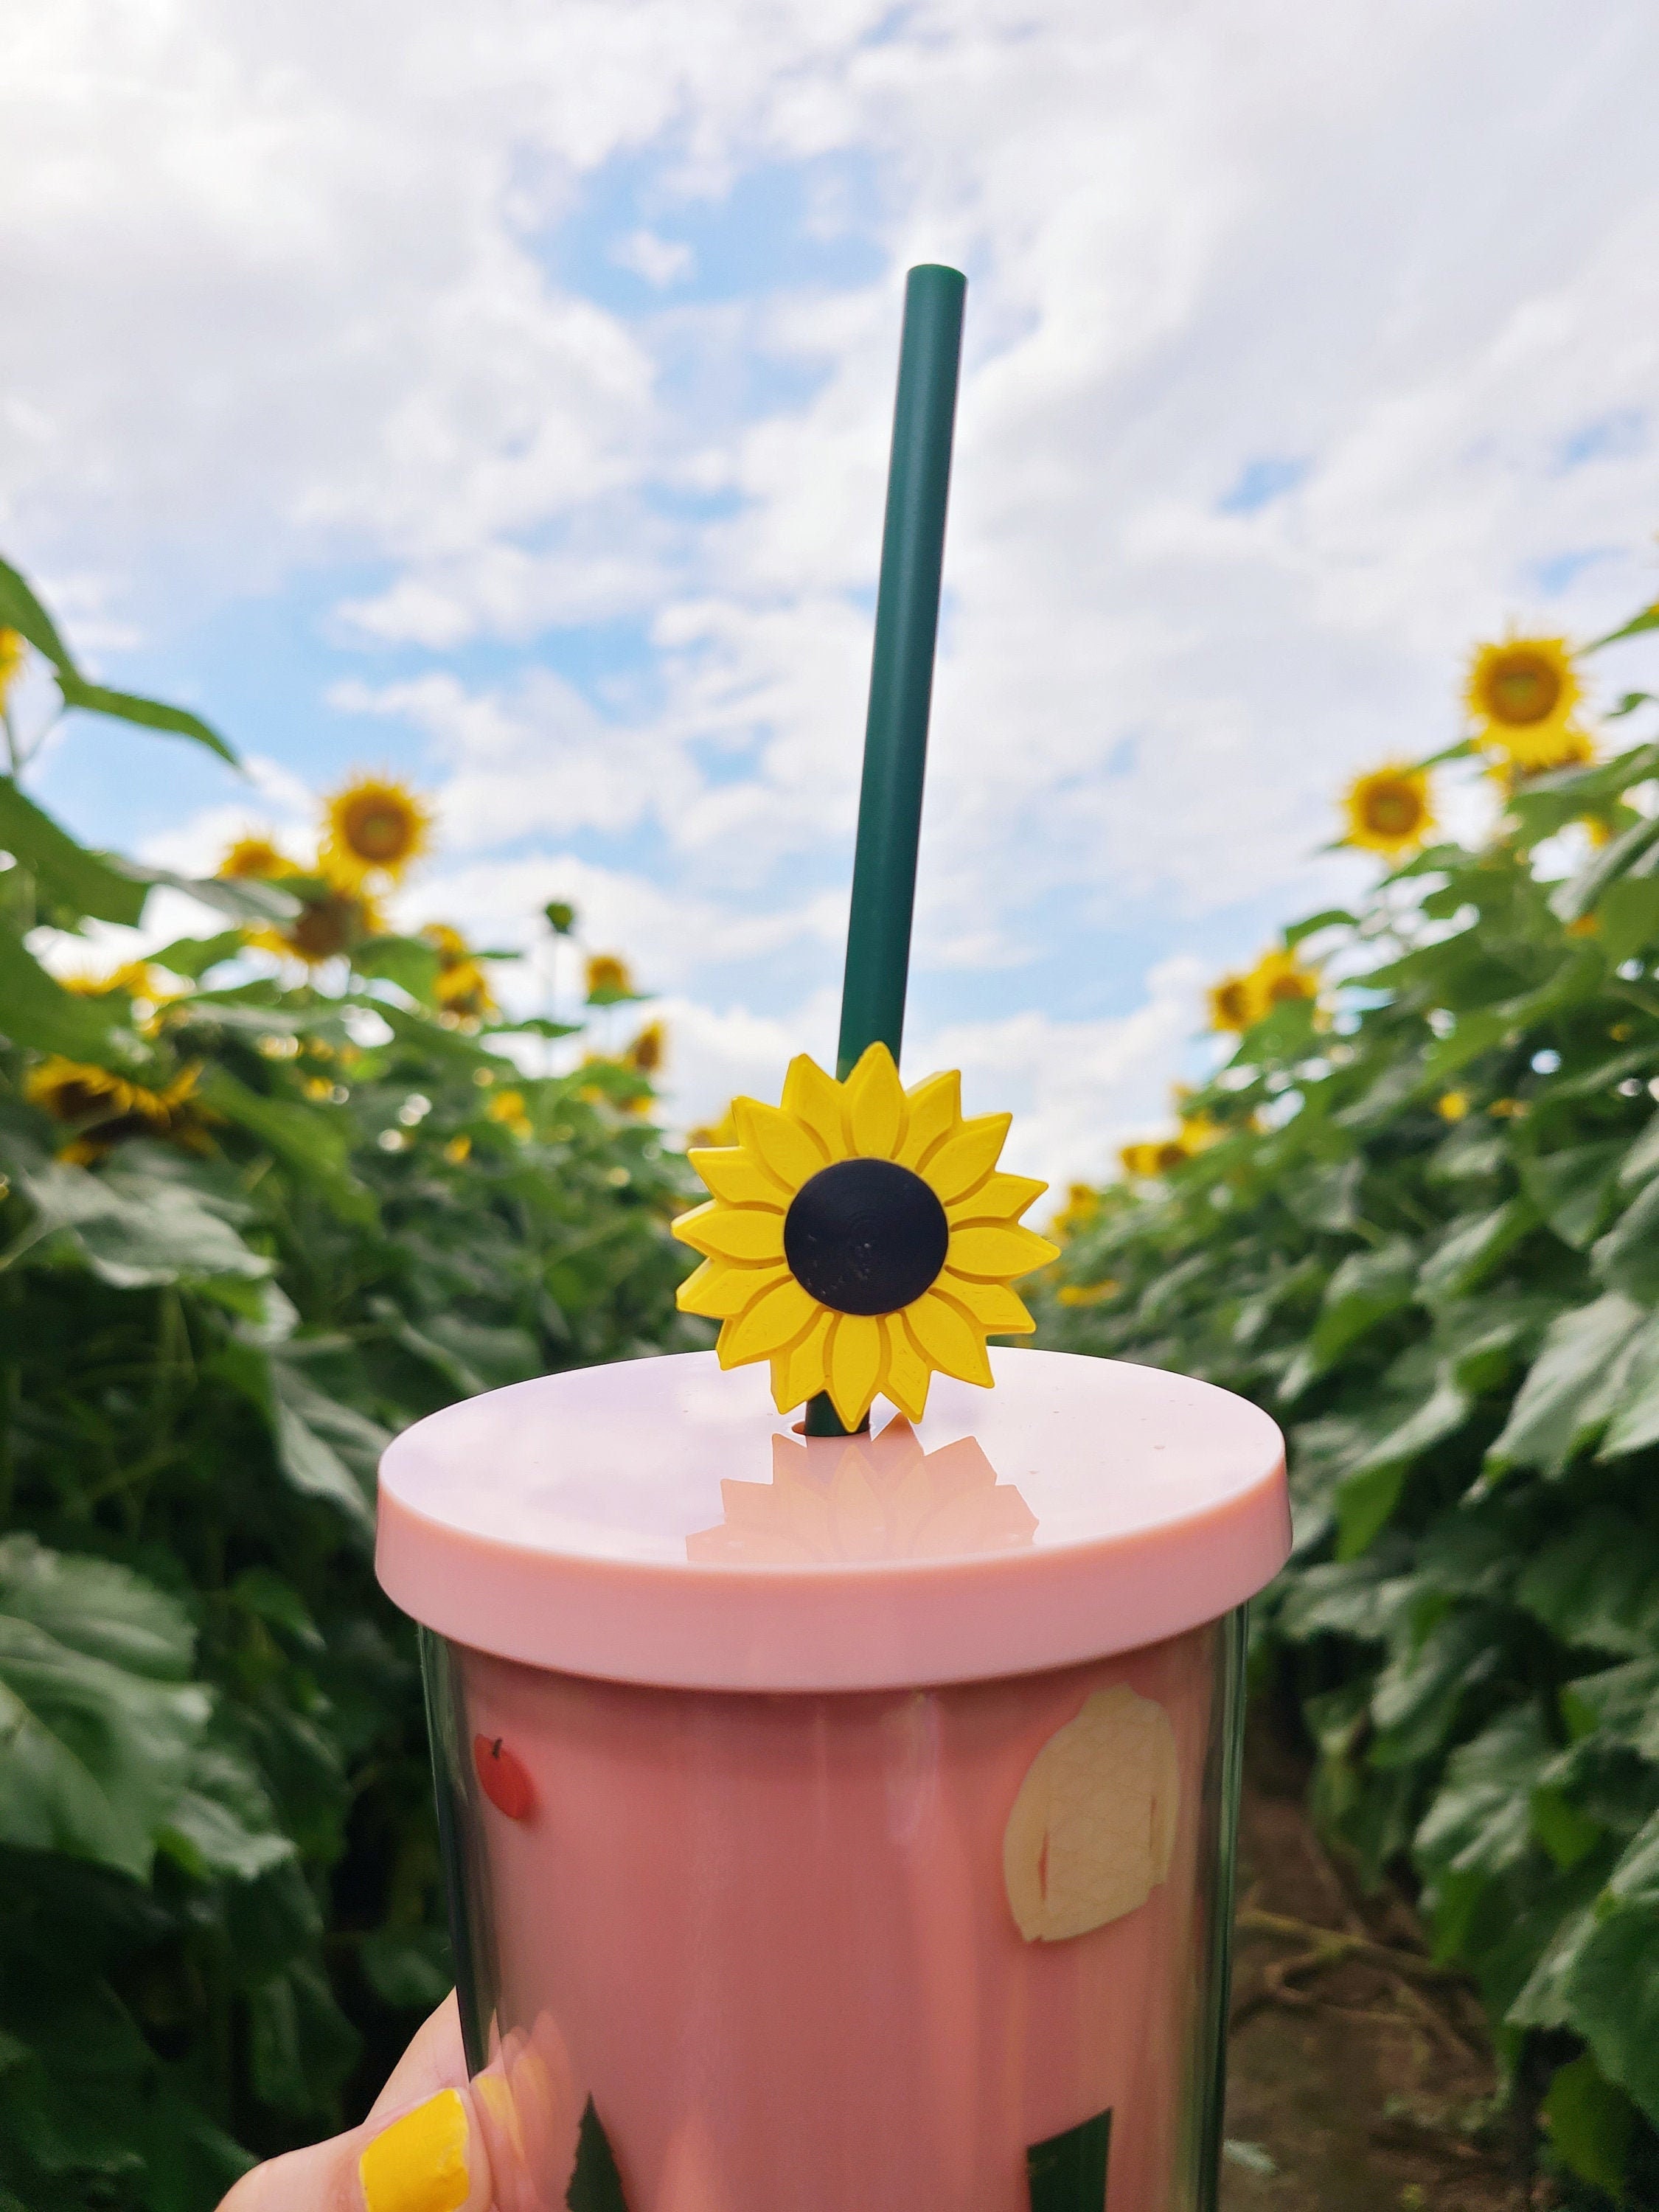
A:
[405,961]
[98,1607]
[1635,1422]
[134,1228]
[1578,896]
[194,955]
[316,1143]
[1570,1388]
[21,610]
[1366,1289]
[1067,2173]
[1480,1822]
[301,2046]
[1366,1494]
[1574,1190]
[1648,619]
[35,1009]
[93,1753]
[297,1414]
[1627,1258]
[595,2184]
[409,1967]
[69,876]
[1627,916]
[1471,1248]
[1596,1586]
[1418,1692]
[1590,2125]
[1623,1703]
[223,1822]
[147,713]
[1612,1991]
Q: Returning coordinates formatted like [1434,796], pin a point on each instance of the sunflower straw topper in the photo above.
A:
[860,1238]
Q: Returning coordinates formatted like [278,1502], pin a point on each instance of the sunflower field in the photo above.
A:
[266,1196]
[1414,1213]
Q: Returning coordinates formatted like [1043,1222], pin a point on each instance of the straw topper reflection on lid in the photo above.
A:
[861,1238]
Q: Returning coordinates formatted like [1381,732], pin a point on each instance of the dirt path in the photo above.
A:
[1360,2080]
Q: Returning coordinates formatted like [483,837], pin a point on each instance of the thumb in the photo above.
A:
[420,2150]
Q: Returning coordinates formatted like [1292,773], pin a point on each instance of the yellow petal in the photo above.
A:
[945,1336]
[774,1319]
[857,1345]
[814,1097]
[933,1110]
[798,1370]
[732,1232]
[717,1289]
[736,1176]
[908,1375]
[964,1163]
[988,1251]
[999,1198]
[789,1150]
[875,1104]
[997,1309]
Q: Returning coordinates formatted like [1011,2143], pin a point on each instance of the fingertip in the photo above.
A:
[429,2160]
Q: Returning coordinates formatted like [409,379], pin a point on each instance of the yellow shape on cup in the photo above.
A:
[419,2164]
[1092,1828]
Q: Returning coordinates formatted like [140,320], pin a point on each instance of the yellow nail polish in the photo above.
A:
[419,2163]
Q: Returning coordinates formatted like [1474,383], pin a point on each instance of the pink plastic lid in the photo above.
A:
[658,1521]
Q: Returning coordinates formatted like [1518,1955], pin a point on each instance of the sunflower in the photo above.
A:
[12,649]
[462,987]
[375,827]
[1082,1207]
[1388,812]
[860,1238]
[608,979]
[107,1108]
[255,855]
[1521,695]
[1567,745]
[1280,979]
[648,1050]
[334,918]
[1235,1004]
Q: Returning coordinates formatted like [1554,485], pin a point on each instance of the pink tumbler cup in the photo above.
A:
[840,1825]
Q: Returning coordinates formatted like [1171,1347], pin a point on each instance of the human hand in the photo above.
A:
[420,2150]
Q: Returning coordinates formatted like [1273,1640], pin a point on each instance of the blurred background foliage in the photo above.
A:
[266,1197]
[1415,1214]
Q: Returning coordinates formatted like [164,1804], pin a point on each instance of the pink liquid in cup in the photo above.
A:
[807,1945]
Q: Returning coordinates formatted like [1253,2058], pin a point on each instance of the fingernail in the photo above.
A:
[419,2164]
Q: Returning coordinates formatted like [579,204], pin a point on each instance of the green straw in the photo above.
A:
[901,685]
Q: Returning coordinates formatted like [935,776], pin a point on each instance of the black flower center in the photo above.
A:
[865,1236]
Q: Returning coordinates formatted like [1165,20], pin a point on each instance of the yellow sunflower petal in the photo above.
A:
[814,1097]
[907,1374]
[988,1251]
[798,1370]
[969,1156]
[875,1104]
[717,1290]
[933,1110]
[732,1232]
[855,1356]
[998,1310]
[772,1321]
[734,1175]
[999,1198]
[778,1140]
[945,1336]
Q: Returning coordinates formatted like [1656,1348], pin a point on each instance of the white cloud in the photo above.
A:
[306,298]
[660,261]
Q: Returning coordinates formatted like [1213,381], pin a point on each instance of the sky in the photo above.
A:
[499,395]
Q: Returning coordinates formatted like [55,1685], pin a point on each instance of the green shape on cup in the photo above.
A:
[595,2185]
[1068,2173]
